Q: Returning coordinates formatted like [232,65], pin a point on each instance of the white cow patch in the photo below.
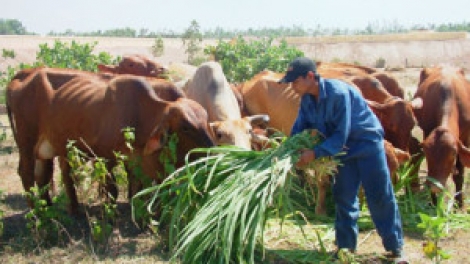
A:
[45,150]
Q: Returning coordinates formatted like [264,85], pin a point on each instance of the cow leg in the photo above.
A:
[26,171]
[323,183]
[111,189]
[416,154]
[69,185]
[43,171]
[458,181]
[134,184]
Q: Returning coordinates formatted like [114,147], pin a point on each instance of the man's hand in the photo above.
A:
[306,156]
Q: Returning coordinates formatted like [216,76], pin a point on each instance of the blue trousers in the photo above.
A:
[372,172]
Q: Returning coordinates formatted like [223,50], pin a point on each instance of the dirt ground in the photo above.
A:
[132,245]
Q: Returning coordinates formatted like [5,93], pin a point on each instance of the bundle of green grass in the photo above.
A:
[215,208]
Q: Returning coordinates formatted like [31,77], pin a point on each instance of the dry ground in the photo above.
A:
[130,245]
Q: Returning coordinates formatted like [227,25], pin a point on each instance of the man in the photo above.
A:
[340,113]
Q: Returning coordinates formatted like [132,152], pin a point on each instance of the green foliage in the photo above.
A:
[44,221]
[11,27]
[434,230]
[167,157]
[241,59]
[6,53]
[158,47]
[91,171]
[217,206]
[5,76]
[192,40]
[380,63]
[72,55]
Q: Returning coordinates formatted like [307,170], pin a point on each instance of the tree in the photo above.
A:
[11,27]
[192,40]
[158,47]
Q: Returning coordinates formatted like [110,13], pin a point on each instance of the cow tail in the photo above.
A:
[10,117]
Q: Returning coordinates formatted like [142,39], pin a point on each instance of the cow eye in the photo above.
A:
[186,129]
[219,135]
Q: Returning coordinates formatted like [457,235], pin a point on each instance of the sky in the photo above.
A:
[44,16]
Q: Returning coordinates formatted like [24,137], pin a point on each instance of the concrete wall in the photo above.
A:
[396,54]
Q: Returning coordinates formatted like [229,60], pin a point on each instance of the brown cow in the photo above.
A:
[136,65]
[92,109]
[389,82]
[445,121]
[206,85]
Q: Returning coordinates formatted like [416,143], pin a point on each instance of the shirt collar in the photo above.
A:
[321,89]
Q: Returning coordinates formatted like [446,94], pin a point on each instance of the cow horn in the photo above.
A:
[374,104]
[258,119]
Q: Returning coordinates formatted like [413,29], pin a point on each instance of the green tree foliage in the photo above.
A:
[192,40]
[158,48]
[72,55]
[11,27]
[241,59]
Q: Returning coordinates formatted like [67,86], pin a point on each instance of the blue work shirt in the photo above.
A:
[342,115]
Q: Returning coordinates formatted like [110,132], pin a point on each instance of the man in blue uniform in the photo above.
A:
[341,114]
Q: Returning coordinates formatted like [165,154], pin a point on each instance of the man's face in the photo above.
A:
[300,85]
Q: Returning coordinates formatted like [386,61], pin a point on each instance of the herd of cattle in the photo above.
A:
[47,107]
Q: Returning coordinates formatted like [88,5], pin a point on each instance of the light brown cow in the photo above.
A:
[445,120]
[136,64]
[210,88]
[92,109]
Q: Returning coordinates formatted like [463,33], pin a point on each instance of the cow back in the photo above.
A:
[264,95]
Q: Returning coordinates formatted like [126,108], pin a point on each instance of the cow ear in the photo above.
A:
[214,128]
[464,154]
[157,140]
[402,156]
[424,74]
[374,105]
[106,68]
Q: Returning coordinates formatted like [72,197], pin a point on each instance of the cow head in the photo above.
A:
[395,158]
[398,120]
[441,149]
[238,132]
[390,83]
[188,121]
[136,65]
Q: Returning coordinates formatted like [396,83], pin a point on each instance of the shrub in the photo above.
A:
[192,39]
[8,53]
[158,47]
[72,55]
[380,63]
[241,59]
